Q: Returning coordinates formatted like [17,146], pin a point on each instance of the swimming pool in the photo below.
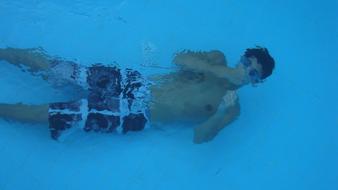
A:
[285,137]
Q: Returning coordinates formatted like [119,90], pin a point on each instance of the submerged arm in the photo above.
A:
[212,62]
[227,112]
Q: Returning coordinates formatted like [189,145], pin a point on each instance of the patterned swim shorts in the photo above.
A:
[117,102]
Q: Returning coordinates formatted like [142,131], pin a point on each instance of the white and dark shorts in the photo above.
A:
[117,101]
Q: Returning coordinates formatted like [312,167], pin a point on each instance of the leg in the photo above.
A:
[35,59]
[62,117]
[25,113]
[58,72]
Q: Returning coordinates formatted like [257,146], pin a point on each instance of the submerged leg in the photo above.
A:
[25,113]
[56,71]
[35,59]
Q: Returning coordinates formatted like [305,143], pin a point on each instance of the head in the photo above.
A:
[258,64]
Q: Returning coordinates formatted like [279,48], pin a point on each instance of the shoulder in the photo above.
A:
[216,57]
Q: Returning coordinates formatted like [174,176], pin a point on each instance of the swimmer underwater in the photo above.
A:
[200,90]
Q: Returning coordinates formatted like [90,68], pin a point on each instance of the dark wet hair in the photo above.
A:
[264,58]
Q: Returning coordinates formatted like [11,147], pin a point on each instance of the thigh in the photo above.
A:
[34,59]
[25,113]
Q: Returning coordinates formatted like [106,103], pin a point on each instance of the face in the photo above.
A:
[252,69]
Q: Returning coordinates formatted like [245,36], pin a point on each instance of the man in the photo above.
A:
[201,90]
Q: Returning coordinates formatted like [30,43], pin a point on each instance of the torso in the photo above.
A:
[187,96]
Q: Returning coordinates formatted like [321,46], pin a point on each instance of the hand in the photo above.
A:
[204,133]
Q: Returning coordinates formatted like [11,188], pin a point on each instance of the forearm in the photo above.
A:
[219,121]
[210,128]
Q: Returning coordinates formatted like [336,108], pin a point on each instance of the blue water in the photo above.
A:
[285,138]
